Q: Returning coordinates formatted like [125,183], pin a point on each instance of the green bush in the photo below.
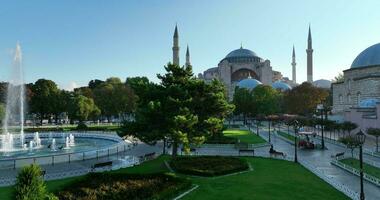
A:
[120,186]
[30,185]
[82,126]
[208,165]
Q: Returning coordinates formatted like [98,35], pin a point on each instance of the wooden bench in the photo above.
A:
[102,164]
[247,151]
[338,155]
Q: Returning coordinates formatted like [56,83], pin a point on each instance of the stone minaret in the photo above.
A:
[175,47]
[309,52]
[187,56]
[294,73]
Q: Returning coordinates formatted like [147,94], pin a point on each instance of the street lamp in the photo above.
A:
[295,125]
[360,138]
[322,109]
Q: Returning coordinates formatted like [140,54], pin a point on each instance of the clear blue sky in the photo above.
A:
[75,41]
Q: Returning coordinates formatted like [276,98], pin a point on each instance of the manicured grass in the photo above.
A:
[286,135]
[368,169]
[245,136]
[270,179]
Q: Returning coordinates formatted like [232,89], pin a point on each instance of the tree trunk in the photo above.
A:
[174,149]
[377,143]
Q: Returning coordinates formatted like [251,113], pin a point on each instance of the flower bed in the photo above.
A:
[208,165]
[120,186]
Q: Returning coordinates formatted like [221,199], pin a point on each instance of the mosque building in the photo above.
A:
[242,67]
[357,97]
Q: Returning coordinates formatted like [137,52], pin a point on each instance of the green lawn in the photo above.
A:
[244,136]
[286,135]
[270,179]
[368,169]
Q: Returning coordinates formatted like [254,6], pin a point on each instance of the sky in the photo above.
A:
[72,42]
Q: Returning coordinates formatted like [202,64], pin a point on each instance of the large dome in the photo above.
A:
[241,53]
[249,83]
[368,57]
[242,56]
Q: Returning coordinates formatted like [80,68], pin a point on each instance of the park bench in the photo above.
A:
[338,155]
[276,153]
[247,151]
[102,164]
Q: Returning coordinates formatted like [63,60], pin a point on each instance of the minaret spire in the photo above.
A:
[187,56]
[294,73]
[175,46]
[309,52]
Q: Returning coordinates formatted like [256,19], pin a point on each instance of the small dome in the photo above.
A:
[368,57]
[280,85]
[249,83]
[368,103]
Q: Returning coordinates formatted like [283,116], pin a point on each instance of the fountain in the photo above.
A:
[14,105]
[37,140]
[53,146]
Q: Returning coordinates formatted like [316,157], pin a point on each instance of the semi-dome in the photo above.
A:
[280,85]
[368,103]
[368,57]
[249,83]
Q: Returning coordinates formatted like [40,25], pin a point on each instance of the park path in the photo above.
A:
[321,159]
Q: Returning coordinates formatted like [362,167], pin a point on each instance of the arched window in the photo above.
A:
[348,98]
[358,96]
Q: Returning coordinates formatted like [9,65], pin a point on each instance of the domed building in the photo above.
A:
[357,97]
[282,86]
[238,65]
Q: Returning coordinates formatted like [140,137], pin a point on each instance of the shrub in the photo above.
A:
[82,126]
[121,186]
[208,165]
[30,185]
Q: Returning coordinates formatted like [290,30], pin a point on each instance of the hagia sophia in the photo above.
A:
[244,68]
[356,98]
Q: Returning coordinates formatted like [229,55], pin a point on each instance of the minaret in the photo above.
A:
[309,52]
[294,73]
[187,56]
[175,47]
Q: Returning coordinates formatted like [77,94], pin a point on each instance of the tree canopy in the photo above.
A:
[181,108]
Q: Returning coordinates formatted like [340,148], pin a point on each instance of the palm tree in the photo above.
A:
[375,132]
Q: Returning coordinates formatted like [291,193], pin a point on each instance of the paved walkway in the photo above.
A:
[321,160]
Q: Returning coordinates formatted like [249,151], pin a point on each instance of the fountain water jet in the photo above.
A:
[14,104]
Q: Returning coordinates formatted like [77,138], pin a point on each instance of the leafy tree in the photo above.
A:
[183,109]
[348,127]
[94,83]
[266,100]
[30,184]
[304,99]
[3,91]
[339,78]
[351,143]
[114,98]
[244,103]
[375,132]
[44,99]
[81,108]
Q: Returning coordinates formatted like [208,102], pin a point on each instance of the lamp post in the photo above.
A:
[295,124]
[360,137]
[322,109]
